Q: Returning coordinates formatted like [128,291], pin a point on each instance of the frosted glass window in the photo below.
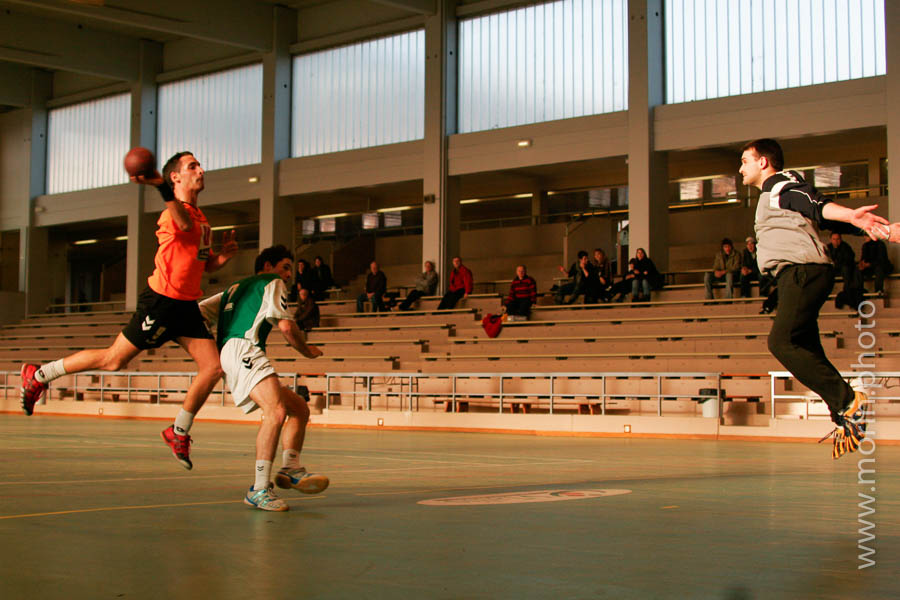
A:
[218,117]
[326,225]
[544,62]
[723,187]
[358,96]
[393,219]
[86,143]
[370,220]
[827,177]
[717,48]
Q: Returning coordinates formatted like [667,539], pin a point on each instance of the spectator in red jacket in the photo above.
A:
[460,285]
[522,294]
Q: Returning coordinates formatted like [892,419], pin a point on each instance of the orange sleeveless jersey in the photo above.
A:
[181,257]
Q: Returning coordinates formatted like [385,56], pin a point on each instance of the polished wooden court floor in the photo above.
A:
[94,508]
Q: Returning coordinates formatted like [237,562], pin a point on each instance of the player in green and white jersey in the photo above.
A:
[245,313]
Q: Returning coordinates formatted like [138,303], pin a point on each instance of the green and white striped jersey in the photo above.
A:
[248,309]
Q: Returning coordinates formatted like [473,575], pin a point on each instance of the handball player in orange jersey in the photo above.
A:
[167,308]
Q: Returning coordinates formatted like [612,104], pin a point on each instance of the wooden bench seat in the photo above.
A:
[599,338]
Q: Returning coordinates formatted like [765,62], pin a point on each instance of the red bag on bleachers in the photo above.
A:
[493,324]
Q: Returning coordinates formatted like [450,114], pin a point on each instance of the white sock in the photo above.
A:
[263,474]
[183,422]
[50,371]
[290,459]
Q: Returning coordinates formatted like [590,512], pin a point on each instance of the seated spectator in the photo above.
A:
[726,266]
[646,277]
[844,259]
[307,314]
[425,285]
[581,274]
[522,294]
[304,281]
[750,271]
[321,279]
[376,286]
[874,262]
[461,283]
[623,286]
[603,269]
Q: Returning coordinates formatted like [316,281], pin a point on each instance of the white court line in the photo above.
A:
[138,507]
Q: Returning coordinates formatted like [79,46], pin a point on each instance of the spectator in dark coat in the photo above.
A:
[307,314]
[461,283]
[522,294]
[844,259]
[874,262]
[583,281]
[425,285]
[376,286]
[623,286]
[603,269]
[321,279]
[726,267]
[646,277]
[305,279]
[750,271]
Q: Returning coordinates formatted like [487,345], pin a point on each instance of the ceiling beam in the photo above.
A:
[65,46]
[422,7]
[16,88]
[229,22]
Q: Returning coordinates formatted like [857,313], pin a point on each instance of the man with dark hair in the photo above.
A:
[726,267]
[245,314]
[874,262]
[321,279]
[167,308]
[583,281]
[750,270]
[788,213]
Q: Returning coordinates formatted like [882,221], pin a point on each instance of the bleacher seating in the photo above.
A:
[678,332]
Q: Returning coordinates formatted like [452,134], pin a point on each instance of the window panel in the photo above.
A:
[717,48]
[86,143]
[218,117]
[549,61]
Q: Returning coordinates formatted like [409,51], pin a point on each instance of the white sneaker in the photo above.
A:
[299,479]
[265,499]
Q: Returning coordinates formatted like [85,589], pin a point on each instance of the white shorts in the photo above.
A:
[244,365]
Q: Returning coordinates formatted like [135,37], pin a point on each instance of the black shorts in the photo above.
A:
[159,319]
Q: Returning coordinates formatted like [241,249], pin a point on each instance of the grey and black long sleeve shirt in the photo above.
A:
[788,220]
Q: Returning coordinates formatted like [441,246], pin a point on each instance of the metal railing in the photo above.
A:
[811,398]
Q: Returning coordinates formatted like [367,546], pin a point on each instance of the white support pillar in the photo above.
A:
[892,106]
[648,171]
[276,217]
[440,212]
[33,251]
[141,245]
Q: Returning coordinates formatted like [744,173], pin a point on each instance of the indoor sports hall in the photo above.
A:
[583,403]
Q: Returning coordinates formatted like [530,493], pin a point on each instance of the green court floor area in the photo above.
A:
[94,508]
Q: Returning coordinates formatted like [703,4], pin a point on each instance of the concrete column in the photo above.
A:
[648,171]
[276,217]
[440,214]
[538,203]
[892,106]
[33,249]
[141,245]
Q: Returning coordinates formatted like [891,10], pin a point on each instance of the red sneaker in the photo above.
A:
[32,389]
[180,445]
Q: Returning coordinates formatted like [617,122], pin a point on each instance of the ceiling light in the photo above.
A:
[84,242]
[334,216]
[523,143]
[523,196]
[121,238]
[221,227]
[253,179]
[470,201]
[393,209]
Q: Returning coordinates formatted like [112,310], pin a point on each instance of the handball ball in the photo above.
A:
[140,161]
